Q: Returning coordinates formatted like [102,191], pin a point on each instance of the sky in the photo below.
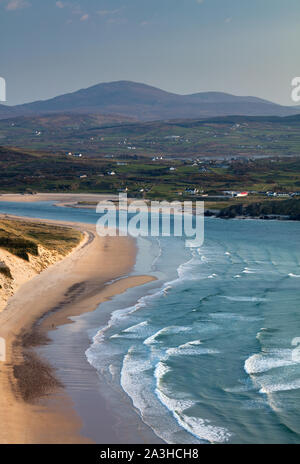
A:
[243,47]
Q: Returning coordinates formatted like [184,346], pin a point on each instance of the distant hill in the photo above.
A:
[115,136]
[57,121]
[148,103]
[8,111]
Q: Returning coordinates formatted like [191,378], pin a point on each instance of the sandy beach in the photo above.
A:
[34,407]
[60,198]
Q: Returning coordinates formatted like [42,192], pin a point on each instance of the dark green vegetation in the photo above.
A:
[4,270]
[21,238]
[29,172]
[287,209]
[96,136]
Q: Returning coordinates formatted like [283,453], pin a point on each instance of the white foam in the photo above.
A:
[166,289]
[136,331]
[188,350]
[260,333]
[144,399]
[137,369]
[183,271]
[133,328]
[248,271]
[133,379]
[233,316]
[263,362]
[193,343]
[166,331]
[250,299]
[197,426]
[238,389]
[276,387]
[161,370]
[212,276]
[296,276]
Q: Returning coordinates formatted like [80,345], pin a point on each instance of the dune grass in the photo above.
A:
[22,238]
[4,270]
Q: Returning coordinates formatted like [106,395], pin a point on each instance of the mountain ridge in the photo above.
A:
[148,103]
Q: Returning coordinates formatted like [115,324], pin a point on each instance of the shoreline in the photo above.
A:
[73,200]
[57,197]
[40,411]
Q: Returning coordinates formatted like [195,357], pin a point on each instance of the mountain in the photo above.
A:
[148,103]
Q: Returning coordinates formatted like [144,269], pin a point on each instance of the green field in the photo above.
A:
[29,172]
[223,137]
[153,160]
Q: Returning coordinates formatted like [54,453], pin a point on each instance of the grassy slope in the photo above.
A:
[22,237]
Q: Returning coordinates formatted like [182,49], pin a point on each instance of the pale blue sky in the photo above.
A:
[245,47]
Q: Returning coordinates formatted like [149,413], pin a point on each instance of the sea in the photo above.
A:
[209,352]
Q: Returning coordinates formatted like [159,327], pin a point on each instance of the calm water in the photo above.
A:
[205,353]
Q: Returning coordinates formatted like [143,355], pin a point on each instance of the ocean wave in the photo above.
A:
[192,343]
[135,327]
[212,276]
[234,316]
[134,370]
[249,271]
[132,379]
[264,362]
[190,269]
[160,371]
[184,271]
[120,314]
[277,387]
[196,426]
[166,289]
[296,276]
[238,389]
[250,299]
[256,404]
[135,331]
[189,350]
[170,330]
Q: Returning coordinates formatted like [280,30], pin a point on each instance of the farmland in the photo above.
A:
[223,137]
